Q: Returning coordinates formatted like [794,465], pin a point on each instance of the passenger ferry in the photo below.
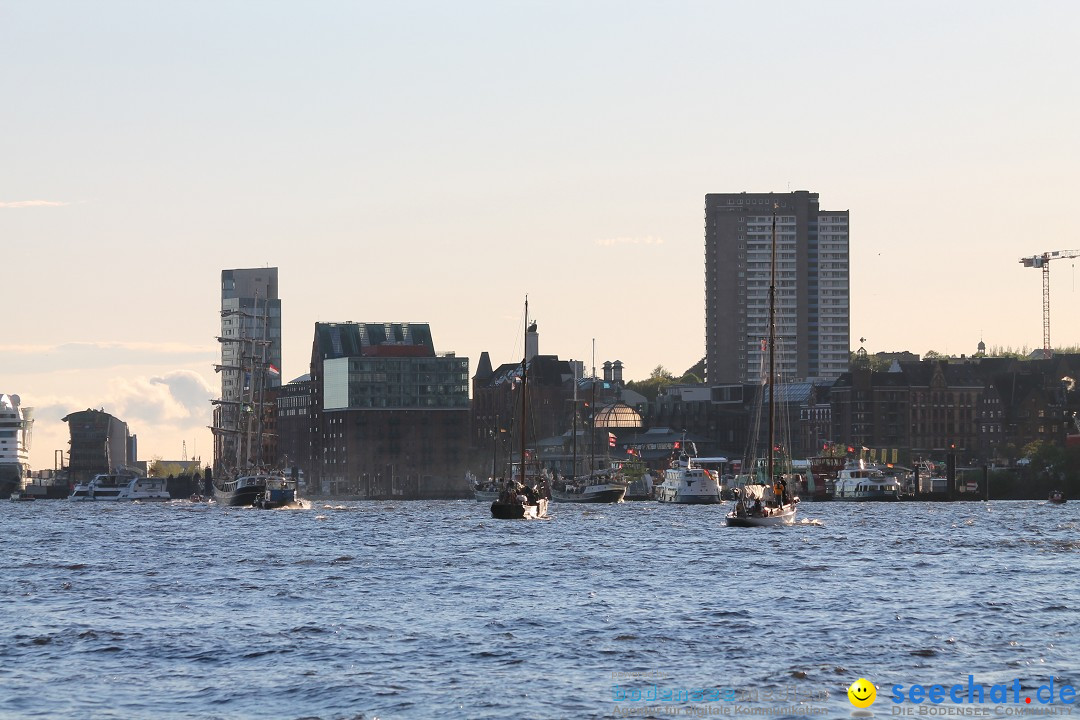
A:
[687,484]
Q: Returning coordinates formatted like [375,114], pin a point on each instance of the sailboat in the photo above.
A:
[765,501]
[599,486]
[526,494]
[251,483]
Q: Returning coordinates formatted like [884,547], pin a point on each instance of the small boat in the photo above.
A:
[279,491]
[121,485]
[1056,497]
[637,477]
[757,505]
[686,484]
[485,494]
[859,482]
[484,490]
[523,504]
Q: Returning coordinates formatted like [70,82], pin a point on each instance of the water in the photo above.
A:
[432,609]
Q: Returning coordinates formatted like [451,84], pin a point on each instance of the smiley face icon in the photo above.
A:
[862,693]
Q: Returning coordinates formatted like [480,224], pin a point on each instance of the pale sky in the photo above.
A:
[437,161]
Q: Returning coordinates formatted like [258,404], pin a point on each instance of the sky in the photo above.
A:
[437,162]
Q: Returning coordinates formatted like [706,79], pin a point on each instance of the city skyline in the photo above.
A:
[435,164]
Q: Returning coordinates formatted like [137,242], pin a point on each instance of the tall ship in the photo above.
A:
[245,477]
[16,423]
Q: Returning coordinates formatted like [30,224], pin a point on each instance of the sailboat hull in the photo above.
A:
[785,517]
[613,494]
[519,511]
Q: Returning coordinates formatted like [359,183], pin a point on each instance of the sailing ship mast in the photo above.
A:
[261,384]
[524,384]
[772,345]
[573,469]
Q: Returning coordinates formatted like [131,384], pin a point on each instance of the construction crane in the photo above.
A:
[1043,261]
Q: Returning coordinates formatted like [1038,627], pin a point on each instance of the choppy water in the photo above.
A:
[433,610]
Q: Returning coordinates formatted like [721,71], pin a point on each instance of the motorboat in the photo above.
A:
[121,485]
[1056,497]
[278,491]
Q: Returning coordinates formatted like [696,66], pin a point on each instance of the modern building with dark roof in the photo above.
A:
[389,417]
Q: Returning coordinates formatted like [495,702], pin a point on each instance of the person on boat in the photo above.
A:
[778,491]
[785,499]
[758,510]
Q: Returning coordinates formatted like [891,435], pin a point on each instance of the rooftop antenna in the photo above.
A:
[184,458]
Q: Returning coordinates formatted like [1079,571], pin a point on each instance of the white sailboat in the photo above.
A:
[765,502]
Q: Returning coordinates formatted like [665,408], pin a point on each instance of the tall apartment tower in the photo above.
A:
[813,308]
[250,359]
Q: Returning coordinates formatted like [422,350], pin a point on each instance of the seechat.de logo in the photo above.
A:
[862,693]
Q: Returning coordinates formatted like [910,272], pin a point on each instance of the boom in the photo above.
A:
[1043,261]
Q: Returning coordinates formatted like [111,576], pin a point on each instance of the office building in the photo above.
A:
[813,308]
[389,417]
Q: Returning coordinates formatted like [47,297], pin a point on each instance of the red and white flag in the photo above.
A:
[272,370]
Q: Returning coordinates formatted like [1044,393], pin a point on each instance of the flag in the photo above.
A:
[272,370]
[611,439]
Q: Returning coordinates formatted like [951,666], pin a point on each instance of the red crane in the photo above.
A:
[1043,261]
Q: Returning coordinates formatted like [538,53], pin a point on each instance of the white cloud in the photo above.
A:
[31,203]
[646,240]
[37,359]
[163,410]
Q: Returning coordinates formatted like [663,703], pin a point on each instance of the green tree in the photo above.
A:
[696,370]
[659,378]
[159,468]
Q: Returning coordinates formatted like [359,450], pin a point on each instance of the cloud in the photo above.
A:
[32,203]
[179,398]
[162,410]
[646,240]
[189,389]
[81,356]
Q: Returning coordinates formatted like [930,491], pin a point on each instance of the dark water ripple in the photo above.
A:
[422,610]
